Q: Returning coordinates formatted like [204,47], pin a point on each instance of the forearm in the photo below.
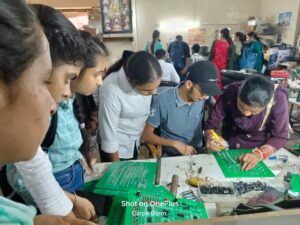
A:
[154,139]
[40,182]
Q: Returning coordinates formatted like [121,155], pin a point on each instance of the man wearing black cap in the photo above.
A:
[178,112]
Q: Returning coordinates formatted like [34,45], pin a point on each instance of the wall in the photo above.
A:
[269,10]
[176,17]
[172,17]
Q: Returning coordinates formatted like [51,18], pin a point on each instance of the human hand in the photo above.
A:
[92,126]
[84,209]
[214,144]
[184,71]
[184,149]
[60,220]
[249,160]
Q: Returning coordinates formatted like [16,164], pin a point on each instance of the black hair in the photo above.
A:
[226,35]
[155,36]
[241,36]
[242,39]
[256,91]
[94,49]
[142,68]
[85,112]
[196,48]
[20,39]
[66,45]
[254,35]
[179,38]
[120,63]
[85,106]
[160,53]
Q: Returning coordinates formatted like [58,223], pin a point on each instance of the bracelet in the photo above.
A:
[268,148]
[264,155]
[260,153]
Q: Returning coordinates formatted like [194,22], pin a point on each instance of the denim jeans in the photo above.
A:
[71,178]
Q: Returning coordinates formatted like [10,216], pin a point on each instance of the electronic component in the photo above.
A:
[244,187]
[216,189]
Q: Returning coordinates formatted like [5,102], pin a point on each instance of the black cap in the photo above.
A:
[205,74]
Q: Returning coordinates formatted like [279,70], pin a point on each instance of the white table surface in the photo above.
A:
[187,166]
[181,166]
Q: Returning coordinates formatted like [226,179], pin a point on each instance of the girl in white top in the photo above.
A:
[125,98]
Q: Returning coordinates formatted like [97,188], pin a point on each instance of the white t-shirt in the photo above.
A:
[168,72]
[122,115]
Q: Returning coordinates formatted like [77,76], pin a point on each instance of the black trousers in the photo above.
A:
[105,156]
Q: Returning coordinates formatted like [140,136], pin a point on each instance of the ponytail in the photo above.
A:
[84,106]
[155,36]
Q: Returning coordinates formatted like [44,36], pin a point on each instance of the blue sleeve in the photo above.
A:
[155,117]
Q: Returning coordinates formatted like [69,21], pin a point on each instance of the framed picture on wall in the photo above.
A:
[284,19]
[116,16]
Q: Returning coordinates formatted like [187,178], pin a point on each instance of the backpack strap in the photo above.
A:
[268,108]
[49,138]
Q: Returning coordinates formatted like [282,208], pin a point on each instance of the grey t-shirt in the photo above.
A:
[176,119]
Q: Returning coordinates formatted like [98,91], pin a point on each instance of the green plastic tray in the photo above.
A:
[229,164]
[122,176]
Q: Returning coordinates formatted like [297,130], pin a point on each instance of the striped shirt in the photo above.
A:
[196,57]
[65,149]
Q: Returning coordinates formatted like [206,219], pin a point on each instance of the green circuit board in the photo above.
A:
[122,176]
[228,161]
[117,212]
[159,205]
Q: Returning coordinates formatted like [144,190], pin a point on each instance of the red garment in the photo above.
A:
[220,57]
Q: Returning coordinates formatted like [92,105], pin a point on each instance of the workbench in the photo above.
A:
[187,166]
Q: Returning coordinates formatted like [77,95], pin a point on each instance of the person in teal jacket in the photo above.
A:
[155,44]
[257,48]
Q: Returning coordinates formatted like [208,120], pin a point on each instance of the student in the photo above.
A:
[221,53]
[196,57]
[256,46]
[155,44]
[169,73]
[178,112]
[71,134]
[179,52]
[239,39]
[67,50]
[26,104]
[254,116]
[125,98]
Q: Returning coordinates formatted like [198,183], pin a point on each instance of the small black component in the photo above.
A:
[200,170]
[166,211]
[149,219]
[180,215]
